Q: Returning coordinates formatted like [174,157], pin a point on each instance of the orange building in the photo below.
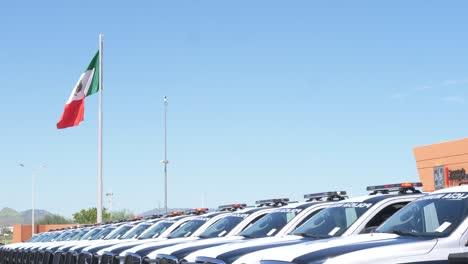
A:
[442,165]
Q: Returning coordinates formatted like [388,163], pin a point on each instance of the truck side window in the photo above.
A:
[253,221]
[381,216]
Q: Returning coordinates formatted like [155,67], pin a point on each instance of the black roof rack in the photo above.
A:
[326,196]
[273,202]
[401,188]
[155,216]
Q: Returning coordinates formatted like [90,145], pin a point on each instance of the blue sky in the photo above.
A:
[266,98]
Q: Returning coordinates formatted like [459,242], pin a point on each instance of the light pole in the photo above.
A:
[33,174]
[165,161]
[110,195]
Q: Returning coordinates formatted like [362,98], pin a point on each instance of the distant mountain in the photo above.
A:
[38,214]
[9,216]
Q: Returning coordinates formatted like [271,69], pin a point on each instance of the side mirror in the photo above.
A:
[368,230]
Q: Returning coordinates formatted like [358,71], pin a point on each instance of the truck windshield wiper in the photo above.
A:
[249,236]
[312,235]
[405,233]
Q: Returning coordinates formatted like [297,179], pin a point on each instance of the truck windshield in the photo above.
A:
[222,226]
[90,233]
[63,236]
[187,228]
[44,238]
[77,235]
[155,230]
[435,215]
[118,232]
[271,223]
[332,221]
[136,231]
[34,238]
[103,233]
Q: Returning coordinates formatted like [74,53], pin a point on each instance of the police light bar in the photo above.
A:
[401,187]
[198,211]
[174,213]
[273,202]
[231,207]
[328,195]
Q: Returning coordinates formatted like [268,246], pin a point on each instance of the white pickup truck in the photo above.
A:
[426,231]
[345,218]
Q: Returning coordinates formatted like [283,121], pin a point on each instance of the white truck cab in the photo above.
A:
[341,219]
[273,218]
[427,230]
[290,215]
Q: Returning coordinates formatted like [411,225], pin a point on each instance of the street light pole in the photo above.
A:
[33,176]
[165,161]
[33,194]
[110,195]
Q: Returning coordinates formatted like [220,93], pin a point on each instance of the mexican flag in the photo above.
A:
[88,84]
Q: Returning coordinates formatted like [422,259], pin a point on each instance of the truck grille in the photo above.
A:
[32,257]
[39,257]
[58,258]
[109,258]
[71,258]
[85,258]
[132,259]
[24,258]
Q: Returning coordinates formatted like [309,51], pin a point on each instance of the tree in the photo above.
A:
[122,214]
[5,230]
[53,219]
[5,235]
[89,216]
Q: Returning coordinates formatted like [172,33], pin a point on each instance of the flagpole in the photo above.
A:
[165,161]
[99,203]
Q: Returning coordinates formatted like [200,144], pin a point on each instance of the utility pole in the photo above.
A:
[34,171]
[110,196]
[165,161]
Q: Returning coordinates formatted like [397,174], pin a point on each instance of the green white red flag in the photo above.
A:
[88,84]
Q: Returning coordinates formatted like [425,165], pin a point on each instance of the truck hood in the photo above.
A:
[241,247]
[399,251]
[321,250]
[123,246]
[44,245]
[103,244]
[149,247]
[18,245]
[91,244]
[195,245]
[71,244]
[59,244]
